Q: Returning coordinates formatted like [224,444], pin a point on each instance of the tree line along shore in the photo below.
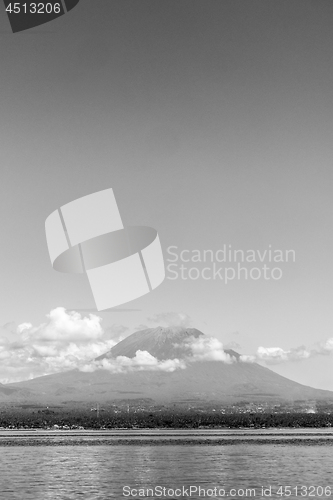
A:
[168,419]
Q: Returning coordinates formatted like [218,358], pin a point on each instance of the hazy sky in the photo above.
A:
[212,120]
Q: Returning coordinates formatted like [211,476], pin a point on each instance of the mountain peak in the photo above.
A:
[162,343]
[232,353]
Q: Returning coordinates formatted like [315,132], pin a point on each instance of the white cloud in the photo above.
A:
[24,326]
[142,360]
[65,341]
[276,355]
[63,326]
[325,347]
[245,358]
[207,349]
[171,319]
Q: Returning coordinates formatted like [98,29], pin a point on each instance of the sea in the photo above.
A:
[196,464]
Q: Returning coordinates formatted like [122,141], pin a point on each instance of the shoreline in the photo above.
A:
[146,437]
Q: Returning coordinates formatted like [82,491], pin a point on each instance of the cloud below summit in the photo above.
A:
[208,349]
[142,360]
[198,348]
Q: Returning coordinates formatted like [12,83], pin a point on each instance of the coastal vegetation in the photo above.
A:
[111,418]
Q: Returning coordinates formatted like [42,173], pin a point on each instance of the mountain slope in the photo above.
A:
[162,343]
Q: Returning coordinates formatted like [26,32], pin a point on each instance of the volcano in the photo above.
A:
[196,381]
[162,343]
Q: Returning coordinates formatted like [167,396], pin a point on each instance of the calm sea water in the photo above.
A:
[100,472]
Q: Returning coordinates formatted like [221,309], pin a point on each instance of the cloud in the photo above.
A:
[23,326]
[246,358]
[207,349]
[277,355]
[325,347]
[65,341]
[63,326]
[171,319]
[273,355]
[142,360]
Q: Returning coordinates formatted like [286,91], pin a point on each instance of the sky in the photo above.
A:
[212,122]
